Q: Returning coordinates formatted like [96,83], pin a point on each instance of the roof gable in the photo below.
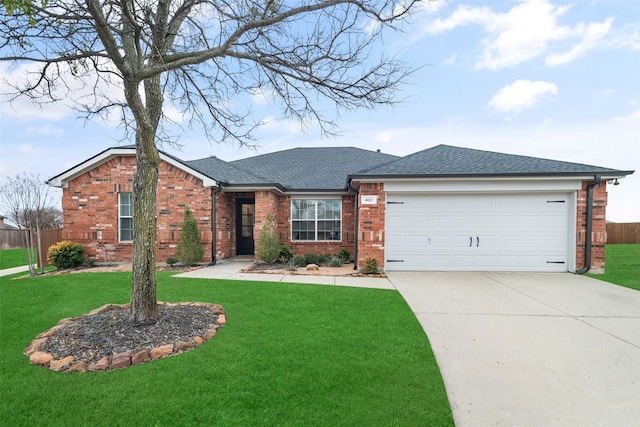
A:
[63,178]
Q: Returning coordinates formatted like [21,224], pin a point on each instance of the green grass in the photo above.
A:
[15,257]
[622,265]
[290,355]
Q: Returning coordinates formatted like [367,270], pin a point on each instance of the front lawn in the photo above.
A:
[10,258]
[290,355]
[622,265]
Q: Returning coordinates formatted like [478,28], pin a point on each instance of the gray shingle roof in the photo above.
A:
[319,168]
[445,160]
[225,171]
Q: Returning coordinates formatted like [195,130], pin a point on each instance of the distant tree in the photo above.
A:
[48,217]
[27,201]
[130,57]
[269,247]
[189,249]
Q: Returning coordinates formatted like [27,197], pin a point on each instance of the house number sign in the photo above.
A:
[369,200]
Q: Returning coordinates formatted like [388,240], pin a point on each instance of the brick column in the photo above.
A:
[598,226]
[371,220]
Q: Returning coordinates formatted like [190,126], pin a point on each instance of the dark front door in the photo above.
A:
[245,219]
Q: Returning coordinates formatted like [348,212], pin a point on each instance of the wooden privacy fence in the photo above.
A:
[627,232]
[10,239]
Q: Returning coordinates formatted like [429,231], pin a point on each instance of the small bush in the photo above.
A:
[370,265]
[90,262]
[299,261]
[311,258]
[286,253]
[324,259]
[335,262]
[344,255]
[268,244]
[171,261]
[189,249]
[291,264]
[65,254]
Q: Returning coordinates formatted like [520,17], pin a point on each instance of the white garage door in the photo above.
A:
[489,232]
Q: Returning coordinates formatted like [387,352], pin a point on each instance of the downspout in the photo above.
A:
[214,193]
[587,249]
[355,240]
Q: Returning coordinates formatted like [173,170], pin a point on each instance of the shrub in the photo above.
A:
[171,261]
[286,253]
[370,265]
[189,249]
[324,259]
[90,262]
[299,261]
[311,258]
[291,264]
[344,255]
[65,254]
[268,245]
[336,262]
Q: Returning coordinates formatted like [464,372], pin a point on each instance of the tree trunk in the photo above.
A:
[144,307]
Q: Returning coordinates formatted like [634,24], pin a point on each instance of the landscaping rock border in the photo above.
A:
[69,331]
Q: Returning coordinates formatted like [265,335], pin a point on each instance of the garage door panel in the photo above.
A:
[494,232]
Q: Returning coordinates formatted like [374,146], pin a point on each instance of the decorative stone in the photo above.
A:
[121,360]
[58,364]
[222,319]
[163,351]
[184,346]
[36,345]
[217,309]
[40,358]
[78,367]
[208,335]
[313,267]
[100,365]
[140,357]
[198,340]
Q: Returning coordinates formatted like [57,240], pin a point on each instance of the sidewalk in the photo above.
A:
[230,270]
[14,270]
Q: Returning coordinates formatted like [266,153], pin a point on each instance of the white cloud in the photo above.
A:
[526,31]
[28,150]
[46,130]
[592,35]
[633,117]
[520,95]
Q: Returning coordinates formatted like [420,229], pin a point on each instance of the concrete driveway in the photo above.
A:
[531,349]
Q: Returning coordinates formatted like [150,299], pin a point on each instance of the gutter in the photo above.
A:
[587,249]
[357,219]
[213,224]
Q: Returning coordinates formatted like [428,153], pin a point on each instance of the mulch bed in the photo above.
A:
[110,331]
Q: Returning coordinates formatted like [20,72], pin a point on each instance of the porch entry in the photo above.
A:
[245,220]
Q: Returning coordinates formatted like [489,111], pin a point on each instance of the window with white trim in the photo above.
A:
[125,217]
[316,219]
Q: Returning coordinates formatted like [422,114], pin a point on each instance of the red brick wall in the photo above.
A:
[371,225]
[90,205]
[599,226]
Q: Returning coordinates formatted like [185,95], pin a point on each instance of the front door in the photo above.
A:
[245,220]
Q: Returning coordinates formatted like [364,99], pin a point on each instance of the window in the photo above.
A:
[316,220]
[125,217]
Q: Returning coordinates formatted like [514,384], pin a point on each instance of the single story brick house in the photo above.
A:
[444,208]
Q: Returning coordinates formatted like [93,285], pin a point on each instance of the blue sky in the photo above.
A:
[551,79]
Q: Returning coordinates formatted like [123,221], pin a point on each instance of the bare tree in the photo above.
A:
[27,201]
[131,57]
